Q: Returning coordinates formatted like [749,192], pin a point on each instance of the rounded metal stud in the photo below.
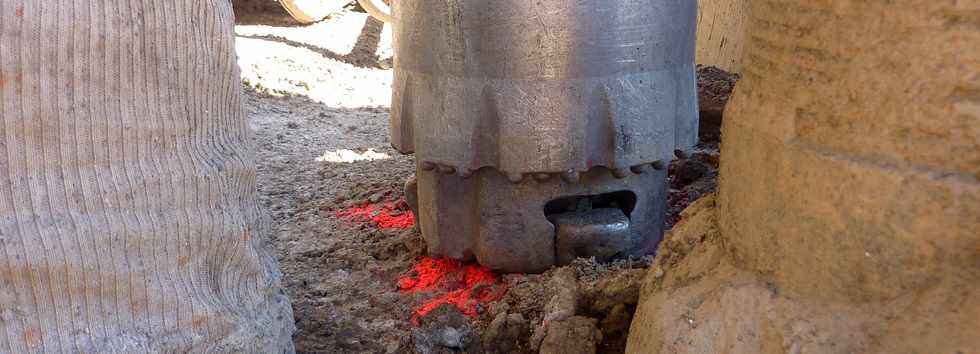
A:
[515,177]
[640,169]
[571,176]
[465,172]
[542,177]
[447,170]
[659,165]
[428,166]
[620,172]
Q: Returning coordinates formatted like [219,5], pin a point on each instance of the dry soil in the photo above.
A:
[317,98]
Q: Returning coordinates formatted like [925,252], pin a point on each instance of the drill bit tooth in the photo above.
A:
[571,176]
[465,172]
[515,177]
[681,154]
[659,165]
[427,166]
[640,169]
[542,177]
[447,170]
[620,172]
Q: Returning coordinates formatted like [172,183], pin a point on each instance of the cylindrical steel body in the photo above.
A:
[540,88]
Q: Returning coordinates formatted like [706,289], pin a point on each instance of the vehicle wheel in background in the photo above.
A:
[380,9]
[309,11]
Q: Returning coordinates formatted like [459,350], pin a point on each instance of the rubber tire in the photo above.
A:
[377,8]
[310,11]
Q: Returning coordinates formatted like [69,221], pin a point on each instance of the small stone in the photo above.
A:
[445,328]
[564,303]
[499,307]
[658,273]
[392,347]
[505,333]
[495,330]
[689,171]
[578,334]
[516,318]
[451,338]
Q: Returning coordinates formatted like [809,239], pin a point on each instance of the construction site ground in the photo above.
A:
[353,264]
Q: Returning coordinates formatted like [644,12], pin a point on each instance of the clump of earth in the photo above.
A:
[353,262]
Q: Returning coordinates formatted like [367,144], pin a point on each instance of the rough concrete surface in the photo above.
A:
[696,301]
[849,204]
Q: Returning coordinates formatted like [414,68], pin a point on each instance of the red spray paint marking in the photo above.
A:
[380,215]
[467,286]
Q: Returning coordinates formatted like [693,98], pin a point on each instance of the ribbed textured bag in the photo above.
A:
[129,219]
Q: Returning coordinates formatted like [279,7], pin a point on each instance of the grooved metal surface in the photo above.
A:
[544,86]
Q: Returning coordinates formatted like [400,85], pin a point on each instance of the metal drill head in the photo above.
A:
[507,89]
[531,227]
[544,86]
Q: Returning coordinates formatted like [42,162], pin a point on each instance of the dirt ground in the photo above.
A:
[316,99]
